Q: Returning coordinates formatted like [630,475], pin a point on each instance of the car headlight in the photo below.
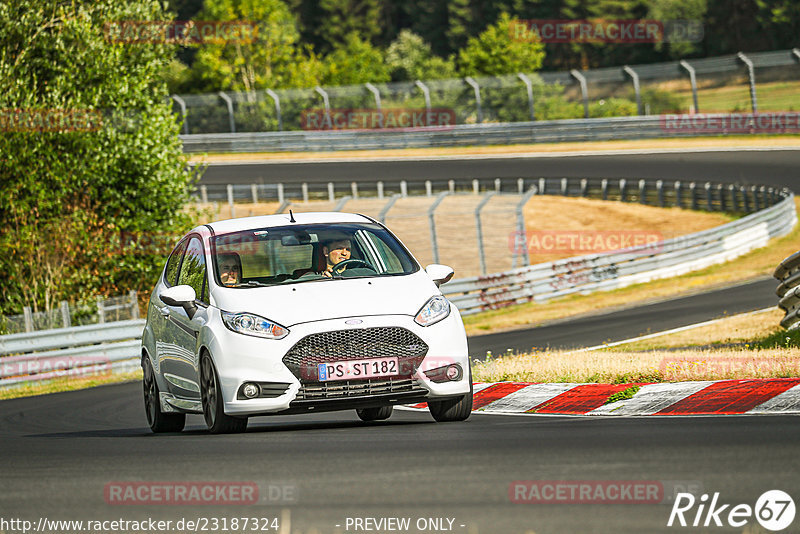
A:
[436,309]
[254,325]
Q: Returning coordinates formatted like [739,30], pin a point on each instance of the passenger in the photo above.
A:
[230,268]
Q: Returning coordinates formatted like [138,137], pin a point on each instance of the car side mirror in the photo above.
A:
[183,296]
[440,274]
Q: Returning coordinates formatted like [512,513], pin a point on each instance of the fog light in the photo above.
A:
[250,391]
[453,372]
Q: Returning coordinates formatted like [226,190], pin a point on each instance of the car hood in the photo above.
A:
[320,300]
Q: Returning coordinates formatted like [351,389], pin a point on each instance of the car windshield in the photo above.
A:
[304,253]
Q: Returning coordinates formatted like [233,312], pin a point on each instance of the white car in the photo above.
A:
[299,313]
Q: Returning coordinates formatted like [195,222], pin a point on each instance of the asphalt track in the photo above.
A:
[622,324]
[774,167]
[60,451]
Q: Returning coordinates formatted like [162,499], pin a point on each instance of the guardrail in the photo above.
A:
[788,273]
[69,352]
[589,273]
[571,130]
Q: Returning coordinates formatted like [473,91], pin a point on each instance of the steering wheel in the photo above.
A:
[339,267]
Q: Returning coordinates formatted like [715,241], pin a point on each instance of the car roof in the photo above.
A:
[282,219]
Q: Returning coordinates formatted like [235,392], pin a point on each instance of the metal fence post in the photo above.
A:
[134,304]
[304,189]
[584,187]
[529,90]
[101,312]
[623,184]
[387,207]
[642,191]
[693,81]
[254,193]
[229,105]
[542,186]
[523,255]
[604,189]
[584,91]
[709,204]
[377,95]
[204,194]
[182,105]
[277,100]
[745,200]
[331,195]
[660,192]
[497,184]
[479,230]
[325,102]
[380,189]
[796,53]
[751,71]
[721,198]
[520,185]
[732,191]
[230,201]
[428,188]
[354,189]
[451,186]
[403,188]
[635,77]
[432,224]
[564,187]
[476,187]
[678,189]
[477,89]
[28,316]
[426,93]
[66,320]
[756,204]
[281,197]
[693,195]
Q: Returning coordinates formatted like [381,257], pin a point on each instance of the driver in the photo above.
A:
[335,252]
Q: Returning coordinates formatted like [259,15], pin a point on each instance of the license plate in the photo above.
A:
[350,369]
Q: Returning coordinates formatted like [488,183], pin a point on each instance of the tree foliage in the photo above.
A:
[71,191]
[496,51]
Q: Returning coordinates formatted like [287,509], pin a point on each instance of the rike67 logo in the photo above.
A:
[774,510]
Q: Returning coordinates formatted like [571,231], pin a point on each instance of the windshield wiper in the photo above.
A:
[252,283]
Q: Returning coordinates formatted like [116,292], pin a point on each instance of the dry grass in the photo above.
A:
[67,384]
[644,144]
[755,264]
[621,367]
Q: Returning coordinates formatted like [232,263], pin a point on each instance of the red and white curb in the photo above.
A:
[722,397]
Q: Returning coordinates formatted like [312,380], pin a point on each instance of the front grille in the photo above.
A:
[355,344]
[354,388]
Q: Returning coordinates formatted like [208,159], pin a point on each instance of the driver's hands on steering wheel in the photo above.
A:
[339,268]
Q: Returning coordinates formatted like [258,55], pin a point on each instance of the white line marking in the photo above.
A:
[520,155]
[672,331]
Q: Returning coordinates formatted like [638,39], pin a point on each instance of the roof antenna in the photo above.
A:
[291,216]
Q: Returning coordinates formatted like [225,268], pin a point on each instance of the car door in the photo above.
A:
[180,365]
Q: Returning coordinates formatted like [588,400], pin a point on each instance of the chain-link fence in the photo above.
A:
[73,314]
[764,81]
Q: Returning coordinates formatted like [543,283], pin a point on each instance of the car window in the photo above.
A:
[174,263]
[297,253]
[193,268]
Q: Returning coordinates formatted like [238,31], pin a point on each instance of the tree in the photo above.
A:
[355,62]
[91,153]
[274,58]
[339,19]
[496,51]
[410,58]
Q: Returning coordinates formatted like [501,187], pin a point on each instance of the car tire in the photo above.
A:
[456,409]
[374,414]
[158,421]
[217,421]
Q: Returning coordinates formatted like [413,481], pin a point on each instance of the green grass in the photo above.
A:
[622,395]
[772,96]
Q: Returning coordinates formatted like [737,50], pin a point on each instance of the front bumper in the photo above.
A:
[240,358]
